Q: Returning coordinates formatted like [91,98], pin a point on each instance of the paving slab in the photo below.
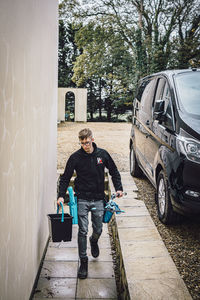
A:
[56,288]
[134,211]
[132,249]
[138,234]
[62,254]
[59,269]
[158,289]
[127,184]
[98,269]
[146,268]
[96,288]
[130,222]
[130,202]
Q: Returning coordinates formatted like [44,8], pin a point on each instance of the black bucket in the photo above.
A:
[60,227]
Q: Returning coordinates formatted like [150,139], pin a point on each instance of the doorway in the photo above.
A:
[69,106]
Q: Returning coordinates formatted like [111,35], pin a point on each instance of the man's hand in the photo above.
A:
[60,199]
[119,194]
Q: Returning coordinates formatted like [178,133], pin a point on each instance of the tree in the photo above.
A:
[149,27]
[67,53]
[105,60]
[187,40]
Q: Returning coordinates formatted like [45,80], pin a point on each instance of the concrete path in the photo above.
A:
[58,278]
[149,270]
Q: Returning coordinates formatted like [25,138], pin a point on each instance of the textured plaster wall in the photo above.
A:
[28,115]
[80,104]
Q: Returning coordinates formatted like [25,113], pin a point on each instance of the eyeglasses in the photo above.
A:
[85,144]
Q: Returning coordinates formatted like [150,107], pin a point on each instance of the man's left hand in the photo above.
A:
[119,194]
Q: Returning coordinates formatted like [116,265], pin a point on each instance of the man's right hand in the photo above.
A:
[60,199]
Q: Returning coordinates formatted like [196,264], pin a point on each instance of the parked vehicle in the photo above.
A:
[165,140]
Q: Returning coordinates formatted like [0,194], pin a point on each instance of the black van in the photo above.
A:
[165,140]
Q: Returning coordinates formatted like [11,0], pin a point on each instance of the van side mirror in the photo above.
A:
[158,113]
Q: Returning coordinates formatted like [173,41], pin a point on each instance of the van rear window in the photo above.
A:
[141,89]
[188,89]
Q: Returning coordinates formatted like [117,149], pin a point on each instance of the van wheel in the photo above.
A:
[166,213]
[134,167]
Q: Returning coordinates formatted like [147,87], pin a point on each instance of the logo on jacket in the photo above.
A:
[99,160]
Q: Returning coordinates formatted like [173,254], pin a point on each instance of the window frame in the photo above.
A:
[166,85]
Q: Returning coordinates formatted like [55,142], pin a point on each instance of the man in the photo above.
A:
[89,163]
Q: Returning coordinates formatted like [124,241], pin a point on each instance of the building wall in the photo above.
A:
[80,110]
[28,118]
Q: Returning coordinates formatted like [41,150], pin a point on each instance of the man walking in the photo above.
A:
[89,162]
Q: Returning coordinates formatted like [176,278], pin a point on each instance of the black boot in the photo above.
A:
[94,247]
[83,269]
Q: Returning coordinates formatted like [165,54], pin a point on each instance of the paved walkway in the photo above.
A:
[58,278]
[150,271]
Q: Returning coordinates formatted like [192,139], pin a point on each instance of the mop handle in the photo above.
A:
[62,218]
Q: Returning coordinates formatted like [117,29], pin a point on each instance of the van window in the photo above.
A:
[188,87]
[148,96]
[163,93]
[141,89]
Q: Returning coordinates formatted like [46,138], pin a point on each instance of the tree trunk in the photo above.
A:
[140,11]
[100,101]
[91,115]
[109,102]
[109,110]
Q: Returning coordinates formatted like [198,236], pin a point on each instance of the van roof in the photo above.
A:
[172,72]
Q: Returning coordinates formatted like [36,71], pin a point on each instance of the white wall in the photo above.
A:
[28,115]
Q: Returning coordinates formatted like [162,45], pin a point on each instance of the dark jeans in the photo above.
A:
[97,210]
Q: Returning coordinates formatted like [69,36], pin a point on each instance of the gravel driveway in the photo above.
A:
[114,137]
[182,241]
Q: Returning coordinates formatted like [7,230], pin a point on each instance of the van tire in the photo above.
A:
[166,214]
[135,170]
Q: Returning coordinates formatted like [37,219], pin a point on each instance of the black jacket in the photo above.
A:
[89,183]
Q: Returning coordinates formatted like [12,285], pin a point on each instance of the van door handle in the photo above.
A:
[147,122]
